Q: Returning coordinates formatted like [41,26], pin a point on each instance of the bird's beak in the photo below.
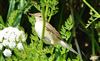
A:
[37,14]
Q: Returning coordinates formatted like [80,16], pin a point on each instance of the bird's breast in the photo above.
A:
[38,28]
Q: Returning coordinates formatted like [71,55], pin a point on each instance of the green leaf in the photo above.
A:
[68,34]
[31,20]
[1,20]
[60,58]
[69,23]
[11,7]
[1,57]
[69,59]
[1,23]
[2,26]
[27,7]
[17,19]
[14,18]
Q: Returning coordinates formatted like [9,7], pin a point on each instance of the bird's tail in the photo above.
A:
[65,45]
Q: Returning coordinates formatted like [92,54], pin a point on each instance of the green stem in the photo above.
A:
[79,19]
[49,18]
[91,22]
[93,43]
[43,16]
[74,30]
[90,7]
[46,11]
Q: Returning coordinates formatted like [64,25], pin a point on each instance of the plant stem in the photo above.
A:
[46,11]
[91,7]
[60,19]
[93,43]
[43,16]
[74,32]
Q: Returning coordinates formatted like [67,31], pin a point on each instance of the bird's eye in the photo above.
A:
[40,16]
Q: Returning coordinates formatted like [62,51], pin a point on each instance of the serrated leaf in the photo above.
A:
[68,34]
[69,24]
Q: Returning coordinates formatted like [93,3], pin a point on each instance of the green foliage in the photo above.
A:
[34,48]
[94,14]
[41,53]
[14,15]
[13,18]
[1,20]
[77,59]
[49,7]
[1,57]
[66,29]
[1,23]
[97,27]
[93,17]
[11,7]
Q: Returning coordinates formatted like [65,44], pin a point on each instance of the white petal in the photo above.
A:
[1,37]
[1,46]
[20,46]
[12,44]
[94,58]
[5,43]
[12,37]
[7,52]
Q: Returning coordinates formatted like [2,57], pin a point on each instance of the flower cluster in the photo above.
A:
[11,38]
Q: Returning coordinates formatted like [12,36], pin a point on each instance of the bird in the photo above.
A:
[51,35]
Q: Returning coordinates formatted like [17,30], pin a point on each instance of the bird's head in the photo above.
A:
[38,16]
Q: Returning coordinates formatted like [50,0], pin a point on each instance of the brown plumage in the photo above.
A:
[51,35]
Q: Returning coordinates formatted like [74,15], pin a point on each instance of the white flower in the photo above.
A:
[12,37]
[94,58]
[5,43]
[12,44]
[4,30]
[1,36]
[1,46]
[20,46]
[6,35]
[15,30]
[7,52]
[18,37]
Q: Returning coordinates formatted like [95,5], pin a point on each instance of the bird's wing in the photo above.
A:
[50,28]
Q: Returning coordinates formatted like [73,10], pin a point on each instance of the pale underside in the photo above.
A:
[51,37]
